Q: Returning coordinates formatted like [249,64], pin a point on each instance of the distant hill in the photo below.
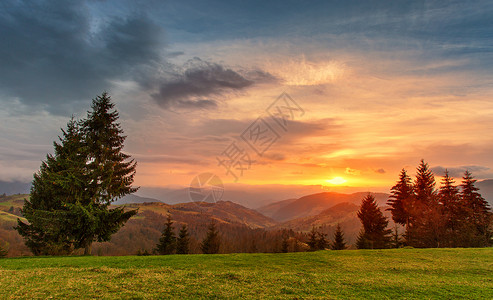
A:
[344,213]
[251,196]
[134,199]
[327,220]
[142,231]
[314,204]
[222,211]
[272,208]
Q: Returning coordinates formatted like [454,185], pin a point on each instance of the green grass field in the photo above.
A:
[369,274]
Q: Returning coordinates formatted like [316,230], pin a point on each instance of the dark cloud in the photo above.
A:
[201,79]
[458,172]
[56,55]
[52,56]
[380,171]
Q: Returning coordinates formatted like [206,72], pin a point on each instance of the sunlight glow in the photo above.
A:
[337,180]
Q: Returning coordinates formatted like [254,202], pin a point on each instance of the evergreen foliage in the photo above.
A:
[212,241]
[322,242]
[339,241]
[451,216]
[401,199]
[475,215]
[374,234]
[313,239]
[167,243]
[70,196]
[183,241]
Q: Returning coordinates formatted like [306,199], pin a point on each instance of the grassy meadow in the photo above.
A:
[370,274]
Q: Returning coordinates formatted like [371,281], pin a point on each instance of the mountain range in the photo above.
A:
[321,210]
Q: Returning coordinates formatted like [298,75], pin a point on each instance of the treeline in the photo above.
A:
[229,238]
[449,216]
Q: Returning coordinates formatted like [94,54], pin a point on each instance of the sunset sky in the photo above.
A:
[379,85]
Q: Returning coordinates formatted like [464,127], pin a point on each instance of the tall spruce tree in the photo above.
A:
[374,234]
[183,241]
[424,185]
[448,196]
[70,195]
[313,239]
[111,172]
[212,241]
[167,242]
[476,216]
[427,225]
[401,199]
[339,241]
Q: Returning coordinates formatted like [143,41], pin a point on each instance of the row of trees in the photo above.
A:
[170,244]
[70,196]
[318,240]
[450,216]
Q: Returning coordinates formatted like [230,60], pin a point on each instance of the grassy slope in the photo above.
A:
[15,201]
[403,273]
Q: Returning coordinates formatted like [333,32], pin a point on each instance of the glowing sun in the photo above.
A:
[336,180]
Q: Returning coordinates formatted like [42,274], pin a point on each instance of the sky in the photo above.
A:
[330,93]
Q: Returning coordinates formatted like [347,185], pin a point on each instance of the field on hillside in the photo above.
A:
[402,273]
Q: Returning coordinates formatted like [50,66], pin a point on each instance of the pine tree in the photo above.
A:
[183,241]
[313,239]
[448,193]
[427,225]
[167,242]
[424,185]
[322,242]
[110,171]
[401,199]
[448,196]
[374,233]
[339,242]
[70,195]
[212,241]
[362,241]
[284,244]
[476,216]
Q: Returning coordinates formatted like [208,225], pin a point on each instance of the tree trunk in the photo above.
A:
[87,249]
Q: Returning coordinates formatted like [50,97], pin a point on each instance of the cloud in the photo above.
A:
[201,79]
[350,171]
[458,172]
[65,54]
[53,56]
[380,171]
